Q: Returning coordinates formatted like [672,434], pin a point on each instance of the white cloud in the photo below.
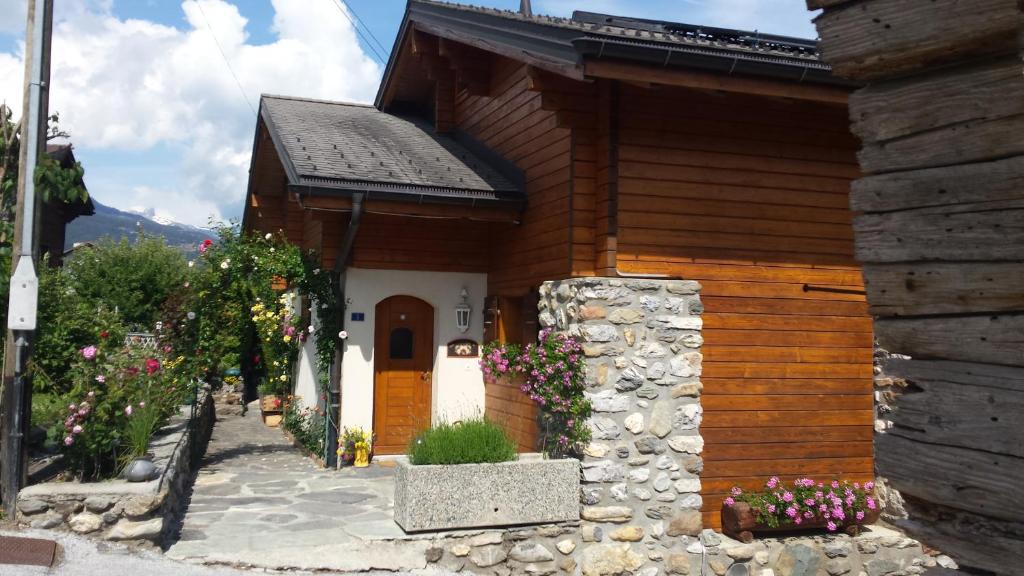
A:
[134,84]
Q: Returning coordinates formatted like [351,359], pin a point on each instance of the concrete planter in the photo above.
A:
[530,490]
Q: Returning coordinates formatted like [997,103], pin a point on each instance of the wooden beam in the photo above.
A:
[929,288]
[988,338]
[881,38]
[710,81]
[453,211]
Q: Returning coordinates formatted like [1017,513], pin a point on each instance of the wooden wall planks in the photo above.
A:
[940,235]
[749,196]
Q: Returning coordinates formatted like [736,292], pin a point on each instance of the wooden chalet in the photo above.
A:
[56,215]
[505,150]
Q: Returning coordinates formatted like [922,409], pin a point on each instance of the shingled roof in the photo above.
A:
[352,147]
[563,44]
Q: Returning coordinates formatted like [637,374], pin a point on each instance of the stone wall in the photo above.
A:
[641,338]
[121,510]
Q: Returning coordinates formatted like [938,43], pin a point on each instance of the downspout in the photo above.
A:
[340,266]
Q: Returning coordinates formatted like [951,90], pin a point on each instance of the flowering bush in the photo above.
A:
[553,377]
[120,397]
[306,425]
[838,503]
[279,339]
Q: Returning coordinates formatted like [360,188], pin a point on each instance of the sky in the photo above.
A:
[159,96]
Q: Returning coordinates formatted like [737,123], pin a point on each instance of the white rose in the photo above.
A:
[311,329]
[343,335]
[191,315]
[224,265]
[269,236]
[191,263]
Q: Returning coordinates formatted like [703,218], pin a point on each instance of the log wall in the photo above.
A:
[942,243]
[749,196]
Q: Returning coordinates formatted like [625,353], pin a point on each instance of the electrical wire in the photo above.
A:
[345,12]
[365,27]
[224,57]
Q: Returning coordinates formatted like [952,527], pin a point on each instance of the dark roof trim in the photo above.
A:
[282,151]
[396,193]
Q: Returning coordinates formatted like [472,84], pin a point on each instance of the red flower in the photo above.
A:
[206,244]
[104,334]
[152,366]
[277,402]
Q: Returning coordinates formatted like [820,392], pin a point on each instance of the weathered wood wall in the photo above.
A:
[942,241]
[506,405]
[749,196]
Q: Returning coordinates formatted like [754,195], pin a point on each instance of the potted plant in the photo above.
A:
[806,505]
[355,447]
[474,463]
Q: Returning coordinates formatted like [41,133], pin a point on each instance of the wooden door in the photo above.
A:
[403,359]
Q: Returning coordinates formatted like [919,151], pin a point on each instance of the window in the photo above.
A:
[401,344]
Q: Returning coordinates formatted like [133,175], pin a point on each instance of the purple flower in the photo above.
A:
[77,429]
[729,501]
[787,496]
[860,515]
[89,352]
[791,512]
[831,526]
[68,440]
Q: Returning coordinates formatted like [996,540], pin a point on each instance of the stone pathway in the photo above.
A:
[258,502]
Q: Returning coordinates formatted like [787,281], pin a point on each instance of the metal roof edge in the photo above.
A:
[406,193]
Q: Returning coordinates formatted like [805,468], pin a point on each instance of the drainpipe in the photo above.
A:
[340,264]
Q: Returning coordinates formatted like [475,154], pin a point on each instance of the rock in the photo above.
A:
[568,565]
[691,501]
[599,333]
[47,521]
[622,451]
[626,316]
[687,417]
[677,564]
[648,392]
[685,523]
[609,560]
[596,450]
[656,371]
[486,556]
[604,428]
[648,571]
[664,462]
[592,312]
[838,566]
[603,471]
[761,557]
[542,569]
[687,390]
[29,506]
[693,464]
[666,497]
[946,562]
[668,322]
[485,539]
[619,492]
[710,538]
[145,530]
[798,560]
[98,503]
[867,546]
[695,547]
[590,495]
[686,444]
[566,546]
[616,514]
[460,550]
[688,485]
[68,507]
[592,533]
[692,340]
[881,566]
[629,379]
[608,401]
[662,482]
[719,565]
[652,350]
[143,505]
[661,419]
[530,552]
[627,534]
[837,548]
[642,494]
[433,554]
[640,461]
[649,445]
[740,553]
[639,475]
[85,522]
[634,423]
[658,512]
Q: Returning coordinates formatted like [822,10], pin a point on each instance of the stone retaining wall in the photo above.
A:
[121,510]
[594,550]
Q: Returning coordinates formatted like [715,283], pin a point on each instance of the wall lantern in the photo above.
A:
[462,311]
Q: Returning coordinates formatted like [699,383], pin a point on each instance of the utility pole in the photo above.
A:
[24,293]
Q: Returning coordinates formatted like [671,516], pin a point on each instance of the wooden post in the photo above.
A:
[17,400]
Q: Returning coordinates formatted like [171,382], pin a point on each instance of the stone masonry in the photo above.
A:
[642,340]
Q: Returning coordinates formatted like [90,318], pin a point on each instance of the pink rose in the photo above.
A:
[77,429]
[128,410]
[89,352]
[729,501]
[68,440]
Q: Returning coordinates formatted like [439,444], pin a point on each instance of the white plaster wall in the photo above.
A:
[306,386]
[458,386]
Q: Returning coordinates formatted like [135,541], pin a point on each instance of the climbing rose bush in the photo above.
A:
[839,503]
[553,377]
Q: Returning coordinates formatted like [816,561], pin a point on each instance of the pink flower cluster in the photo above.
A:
[839,503]
[77,413]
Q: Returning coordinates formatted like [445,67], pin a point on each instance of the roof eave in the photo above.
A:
[404,193]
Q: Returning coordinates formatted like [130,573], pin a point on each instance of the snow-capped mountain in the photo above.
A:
[109,221]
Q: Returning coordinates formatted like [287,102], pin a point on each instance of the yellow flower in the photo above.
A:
[287,338]
[283,378]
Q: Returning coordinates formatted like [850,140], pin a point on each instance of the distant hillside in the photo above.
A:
[108,221]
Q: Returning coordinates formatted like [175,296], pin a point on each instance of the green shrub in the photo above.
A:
[469,442]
